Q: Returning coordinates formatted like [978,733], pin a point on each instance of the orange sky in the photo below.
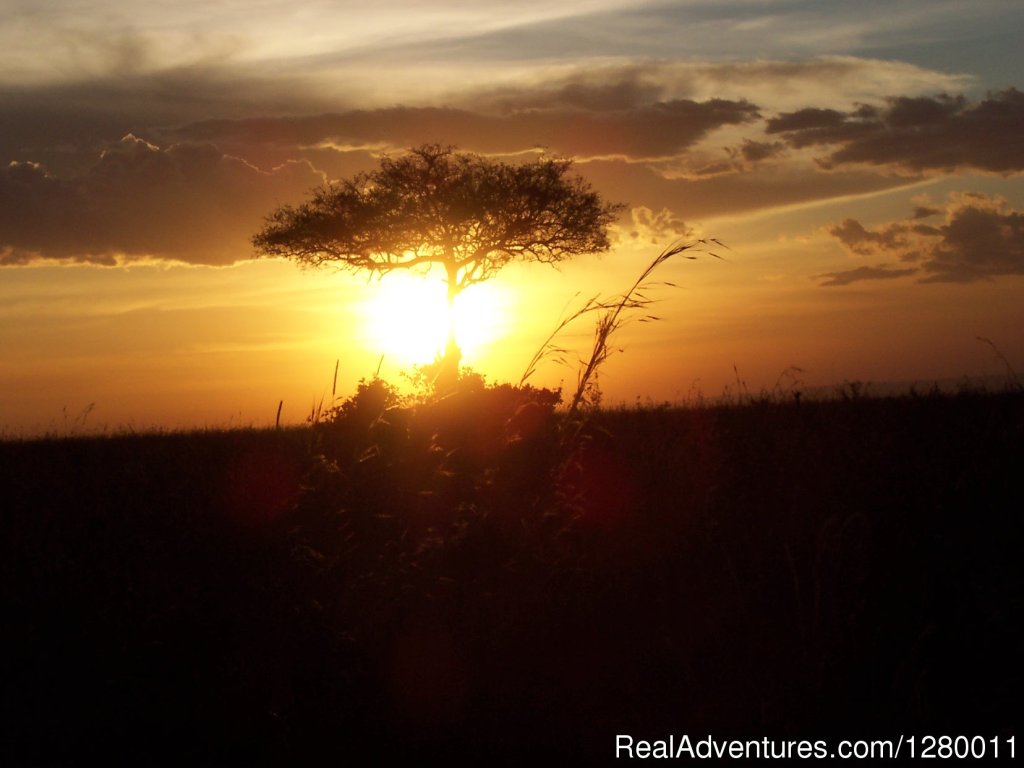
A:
[864,168]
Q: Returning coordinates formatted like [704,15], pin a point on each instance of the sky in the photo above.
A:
[862,162]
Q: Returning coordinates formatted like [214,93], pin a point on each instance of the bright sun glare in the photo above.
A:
[405,317]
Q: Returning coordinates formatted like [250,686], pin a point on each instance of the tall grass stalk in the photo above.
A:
[1013,382]
[612,315]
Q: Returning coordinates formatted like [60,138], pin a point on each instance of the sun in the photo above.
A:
[405,318]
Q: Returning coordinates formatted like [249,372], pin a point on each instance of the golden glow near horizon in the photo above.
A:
[865,170]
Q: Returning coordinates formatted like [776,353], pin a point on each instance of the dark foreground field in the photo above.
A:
[452,583]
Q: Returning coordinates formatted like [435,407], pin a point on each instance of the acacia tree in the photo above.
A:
[433,206]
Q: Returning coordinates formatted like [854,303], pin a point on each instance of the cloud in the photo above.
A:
[756,151]
[982,238]
[941,133]
[657,227]
[650,131]
[880,272]
[189,203]
[739,159]
[198,202]
[864,242]
[925,211]
[827,81]
[811,120]
[65,125]
[632,108]
[224,146]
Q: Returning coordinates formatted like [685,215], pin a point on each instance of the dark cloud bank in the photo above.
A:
[194,190]
[187,202]
[200,192]
[943,133]
[981,238]
[652,131]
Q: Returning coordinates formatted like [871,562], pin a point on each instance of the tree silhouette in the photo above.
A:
[468,214]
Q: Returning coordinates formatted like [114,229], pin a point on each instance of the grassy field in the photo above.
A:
[478,580]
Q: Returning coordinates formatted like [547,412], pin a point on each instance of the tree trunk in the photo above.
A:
[448,373]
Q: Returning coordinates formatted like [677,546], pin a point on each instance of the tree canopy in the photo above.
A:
[468,214]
